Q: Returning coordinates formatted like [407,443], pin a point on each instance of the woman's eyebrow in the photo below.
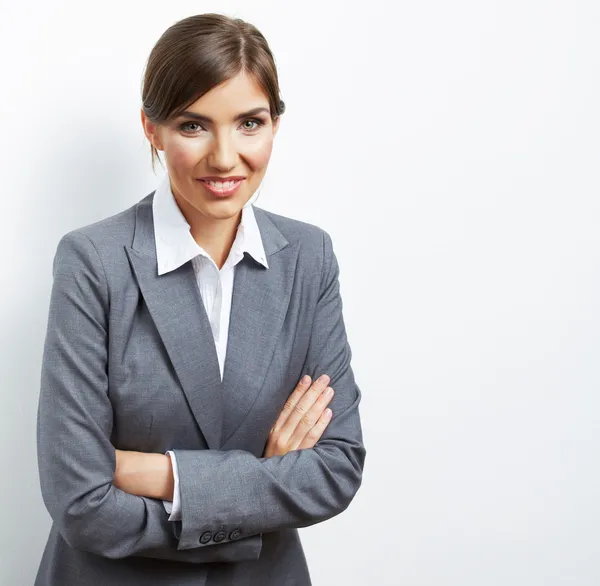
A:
[203,118]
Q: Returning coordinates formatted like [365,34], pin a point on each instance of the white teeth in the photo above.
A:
[222,185]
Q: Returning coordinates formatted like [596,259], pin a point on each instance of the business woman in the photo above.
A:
[197,402]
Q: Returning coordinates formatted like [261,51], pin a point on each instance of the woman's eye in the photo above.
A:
[249,125]
[255,121]
[186,126]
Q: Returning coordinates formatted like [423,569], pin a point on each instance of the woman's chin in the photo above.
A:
[222,209]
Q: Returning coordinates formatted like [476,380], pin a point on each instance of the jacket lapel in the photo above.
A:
[260,301]
[176,307]
[259,305]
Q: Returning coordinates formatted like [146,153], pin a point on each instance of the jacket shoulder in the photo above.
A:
[112,232]
[296,230]
[315,250]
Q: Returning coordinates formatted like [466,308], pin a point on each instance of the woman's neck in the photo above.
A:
[215,236]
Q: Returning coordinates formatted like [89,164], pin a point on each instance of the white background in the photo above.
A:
[451,150]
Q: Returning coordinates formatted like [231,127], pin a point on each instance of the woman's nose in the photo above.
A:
[223,153]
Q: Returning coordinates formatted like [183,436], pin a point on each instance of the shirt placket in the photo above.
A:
[218,302]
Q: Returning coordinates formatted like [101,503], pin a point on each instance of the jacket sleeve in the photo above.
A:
[76,459]
[234,491]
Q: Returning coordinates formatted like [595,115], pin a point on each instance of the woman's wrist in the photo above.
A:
[161,481]
[144,474]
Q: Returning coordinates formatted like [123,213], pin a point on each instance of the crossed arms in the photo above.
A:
[234,491]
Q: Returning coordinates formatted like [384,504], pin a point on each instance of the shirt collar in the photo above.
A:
[174,243]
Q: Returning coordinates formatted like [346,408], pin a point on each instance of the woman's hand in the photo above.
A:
[303,418]
[144,474]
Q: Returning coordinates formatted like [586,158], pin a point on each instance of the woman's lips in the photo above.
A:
[221,189]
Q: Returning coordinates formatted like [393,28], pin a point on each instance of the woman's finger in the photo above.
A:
[303,406]
[314,435]
[302,386]
[310,419]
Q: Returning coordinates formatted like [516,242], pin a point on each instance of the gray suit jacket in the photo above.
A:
[129,362]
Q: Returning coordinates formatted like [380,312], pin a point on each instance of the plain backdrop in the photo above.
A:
[451,150]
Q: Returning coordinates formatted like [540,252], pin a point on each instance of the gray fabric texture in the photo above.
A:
[130,363]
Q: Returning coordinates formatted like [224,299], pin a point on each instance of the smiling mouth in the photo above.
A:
[221,188]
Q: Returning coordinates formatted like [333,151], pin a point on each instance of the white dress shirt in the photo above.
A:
[174,247]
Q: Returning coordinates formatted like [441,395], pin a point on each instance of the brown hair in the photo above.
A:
[199,52]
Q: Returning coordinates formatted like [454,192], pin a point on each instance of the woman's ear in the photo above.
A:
[151,131]
[276,125]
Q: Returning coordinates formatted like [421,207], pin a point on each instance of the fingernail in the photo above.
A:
[305,379]
[328,412]
[328,392]
[323,378]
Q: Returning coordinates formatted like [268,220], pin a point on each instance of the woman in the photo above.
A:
[196,350]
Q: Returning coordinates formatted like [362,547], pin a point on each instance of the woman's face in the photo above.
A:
[227,133]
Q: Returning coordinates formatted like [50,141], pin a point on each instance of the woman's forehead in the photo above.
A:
[230,98]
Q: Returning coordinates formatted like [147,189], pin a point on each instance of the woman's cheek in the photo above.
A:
[182,153]
[258,154]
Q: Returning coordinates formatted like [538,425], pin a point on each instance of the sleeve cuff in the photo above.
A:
[174,508]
